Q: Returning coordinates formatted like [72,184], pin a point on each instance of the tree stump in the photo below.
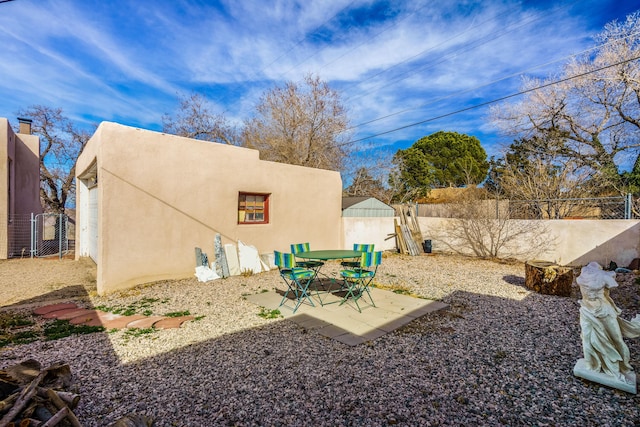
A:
[548,278]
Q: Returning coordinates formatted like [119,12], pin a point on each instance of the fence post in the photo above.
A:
[60,231]
[32,250]
[627,206]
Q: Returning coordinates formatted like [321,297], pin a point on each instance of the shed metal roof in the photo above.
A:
[365,207]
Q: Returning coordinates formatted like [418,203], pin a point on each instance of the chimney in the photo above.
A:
[25,126]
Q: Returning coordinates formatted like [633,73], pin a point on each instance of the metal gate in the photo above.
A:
[50,235]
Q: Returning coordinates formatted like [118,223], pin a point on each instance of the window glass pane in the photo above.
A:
[252,208]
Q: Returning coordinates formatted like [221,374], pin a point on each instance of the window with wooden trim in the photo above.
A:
[253,208]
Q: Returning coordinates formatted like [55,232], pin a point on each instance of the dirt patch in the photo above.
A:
[35,280]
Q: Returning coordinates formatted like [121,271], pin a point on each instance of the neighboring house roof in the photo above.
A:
[365,207]
[444,195]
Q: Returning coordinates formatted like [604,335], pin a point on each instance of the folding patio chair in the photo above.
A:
[296,278]
[361,248]
[305,247]
[358,280]
[310,264]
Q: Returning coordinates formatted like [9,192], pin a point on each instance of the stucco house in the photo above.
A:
[146,199]
[19,185]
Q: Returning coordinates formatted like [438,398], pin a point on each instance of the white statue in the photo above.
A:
[606,356]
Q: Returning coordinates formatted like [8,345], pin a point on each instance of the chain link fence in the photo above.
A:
[40,235]
[592,208]
[618,207]
[19,236]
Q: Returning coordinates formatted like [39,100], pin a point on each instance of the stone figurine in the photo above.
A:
[606,355]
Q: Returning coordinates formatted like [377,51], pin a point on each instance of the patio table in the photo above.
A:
[326,255]
[329,254]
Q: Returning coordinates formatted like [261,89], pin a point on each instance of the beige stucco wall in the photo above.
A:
[22,151]
[161,195]
[27,175]
[570,242]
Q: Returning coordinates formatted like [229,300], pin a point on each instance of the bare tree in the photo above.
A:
[476,228]
[552,191]
[364,184]
[368,173]
[537,172]
[594,104]
[60,145]
[618,44]
[300,125]
[194,119]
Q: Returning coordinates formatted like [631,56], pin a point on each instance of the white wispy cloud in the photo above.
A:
[127,60]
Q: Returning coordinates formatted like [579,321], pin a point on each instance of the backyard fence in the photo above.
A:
[40,235]
[618,207]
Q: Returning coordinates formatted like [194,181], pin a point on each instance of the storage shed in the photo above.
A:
[365,207]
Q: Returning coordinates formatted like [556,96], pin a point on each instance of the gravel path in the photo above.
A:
[500,355]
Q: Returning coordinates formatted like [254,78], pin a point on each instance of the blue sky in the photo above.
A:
[394,62]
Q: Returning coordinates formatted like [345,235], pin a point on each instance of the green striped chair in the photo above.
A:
[296,278]
[357,247]
[305,247]
[357,280]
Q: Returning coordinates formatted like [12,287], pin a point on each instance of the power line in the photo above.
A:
[431,48]
[463,49]
[573,55]
[483,104]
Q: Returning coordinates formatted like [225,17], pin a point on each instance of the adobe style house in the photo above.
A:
[145,200]
[19,185]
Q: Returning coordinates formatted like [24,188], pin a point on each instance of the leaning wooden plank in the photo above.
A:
[407,238]
[415,246]
[400,239]
[411,244]
[404,215]
[415,240]
[415,225]
[405,241]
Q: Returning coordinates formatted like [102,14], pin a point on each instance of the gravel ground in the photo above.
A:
[500,355]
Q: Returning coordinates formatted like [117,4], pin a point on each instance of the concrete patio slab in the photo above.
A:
[343,322]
